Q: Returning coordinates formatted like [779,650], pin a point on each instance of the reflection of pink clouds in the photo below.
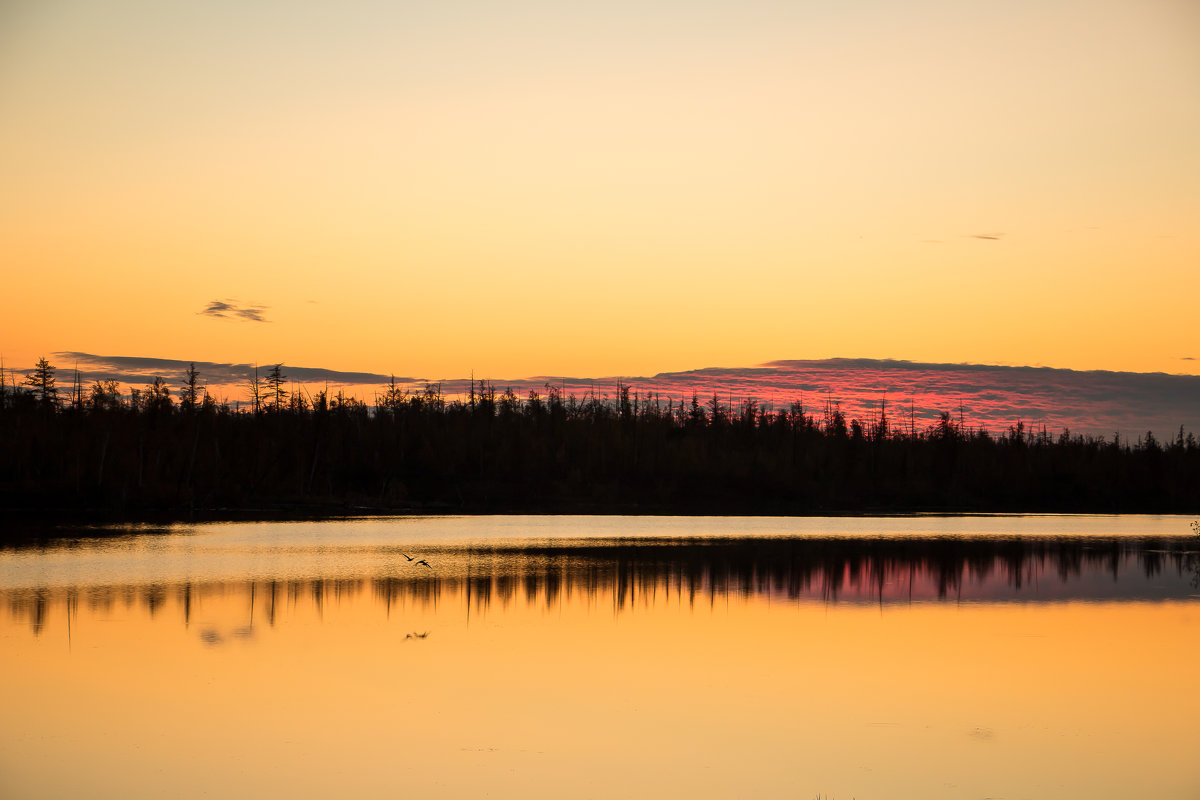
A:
[1038,580]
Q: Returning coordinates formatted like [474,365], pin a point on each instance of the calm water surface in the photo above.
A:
[901,657]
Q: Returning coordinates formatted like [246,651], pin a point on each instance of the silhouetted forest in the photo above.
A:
[286,451]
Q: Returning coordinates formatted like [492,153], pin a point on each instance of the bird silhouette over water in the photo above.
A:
[406,555]
[426,563]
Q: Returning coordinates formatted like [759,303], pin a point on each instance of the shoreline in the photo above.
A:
[335,512]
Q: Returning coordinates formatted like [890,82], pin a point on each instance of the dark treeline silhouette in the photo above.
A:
[896,568]
[641,573]
[292,451]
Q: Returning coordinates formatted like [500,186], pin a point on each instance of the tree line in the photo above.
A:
[285,451]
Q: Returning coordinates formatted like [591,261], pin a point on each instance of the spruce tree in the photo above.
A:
[42,382]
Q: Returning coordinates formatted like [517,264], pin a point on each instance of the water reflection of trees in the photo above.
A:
[641,573]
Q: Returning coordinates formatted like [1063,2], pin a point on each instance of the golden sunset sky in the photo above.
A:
[536,188]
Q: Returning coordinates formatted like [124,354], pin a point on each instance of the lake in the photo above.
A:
[851,657]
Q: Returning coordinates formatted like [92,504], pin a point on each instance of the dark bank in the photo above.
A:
[293,454]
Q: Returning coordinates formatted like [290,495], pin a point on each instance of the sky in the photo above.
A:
[518,188]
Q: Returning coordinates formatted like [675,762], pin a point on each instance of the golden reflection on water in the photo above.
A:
[547,683]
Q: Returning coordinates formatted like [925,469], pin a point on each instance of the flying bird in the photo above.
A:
[426,563]
[406,555]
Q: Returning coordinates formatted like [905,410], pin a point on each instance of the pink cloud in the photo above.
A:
[990,397]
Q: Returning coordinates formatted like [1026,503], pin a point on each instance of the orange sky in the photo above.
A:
[744,696]
[524,188]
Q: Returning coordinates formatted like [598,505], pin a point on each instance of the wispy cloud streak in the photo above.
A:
[229,309]
[136,370]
